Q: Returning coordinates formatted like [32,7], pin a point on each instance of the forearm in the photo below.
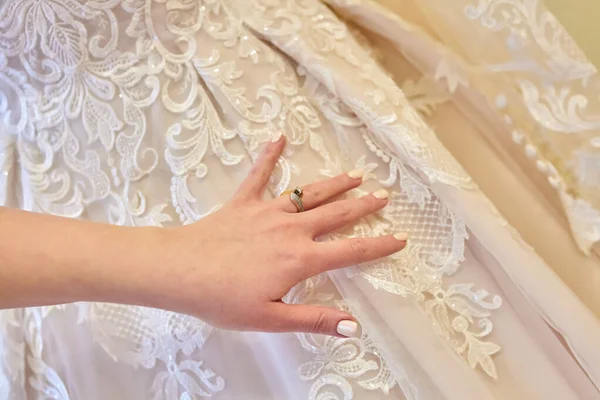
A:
[51,260]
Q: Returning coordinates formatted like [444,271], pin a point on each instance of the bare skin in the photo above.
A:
[230,269]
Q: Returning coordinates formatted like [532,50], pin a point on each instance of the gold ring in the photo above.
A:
[296,198]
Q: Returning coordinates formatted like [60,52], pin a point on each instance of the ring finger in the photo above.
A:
[320,192]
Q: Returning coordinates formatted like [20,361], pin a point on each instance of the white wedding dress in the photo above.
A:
[150,112]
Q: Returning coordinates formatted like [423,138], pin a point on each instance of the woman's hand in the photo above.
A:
[233,267]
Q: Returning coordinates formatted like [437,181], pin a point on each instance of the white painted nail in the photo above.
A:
[356,173]
[402,236]
[347,328]
[277,137]
[381,194]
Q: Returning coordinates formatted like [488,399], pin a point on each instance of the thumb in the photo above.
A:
[311,319]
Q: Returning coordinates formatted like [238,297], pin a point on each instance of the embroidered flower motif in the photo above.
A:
[339,362]
[51,22]
[186,381]
[471,312]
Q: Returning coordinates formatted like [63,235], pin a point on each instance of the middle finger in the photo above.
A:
[336,215]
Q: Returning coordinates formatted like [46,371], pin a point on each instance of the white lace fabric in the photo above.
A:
[522,66]
[150,112]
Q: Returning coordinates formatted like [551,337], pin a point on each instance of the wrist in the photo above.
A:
[125,270]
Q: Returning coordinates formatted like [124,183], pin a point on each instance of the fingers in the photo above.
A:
[338,214]
[320,192]
[311,319]
[344,253]
[258,178]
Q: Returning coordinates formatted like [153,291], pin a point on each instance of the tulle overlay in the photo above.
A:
[151,112]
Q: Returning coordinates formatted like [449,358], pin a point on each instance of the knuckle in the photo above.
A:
[272,153]
[315,192]
[296,258]
[260,169]
[344,211]
[255,171]
[301,258]
[263,174]
[310,261]
[305,264]
[287,225]
[269,150]
[283,224]
[343,181]
[319,324]
[359,248]
[238,200]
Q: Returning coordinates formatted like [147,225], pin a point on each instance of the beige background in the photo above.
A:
[582,20]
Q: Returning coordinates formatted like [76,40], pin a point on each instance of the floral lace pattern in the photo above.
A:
[12,354]
[557,87]
[531,70]
[80,87]
[459,313]
[22,356]
[527,21]
[143,337]
[338,361]
[396,122]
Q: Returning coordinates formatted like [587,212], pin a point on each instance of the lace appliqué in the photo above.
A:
[22,360]
[557,86]
[337,362]
[45,380]
[12,355]
[459,312]
[309,32]
[86,138]
[526,20]
[147,337]
[585,221]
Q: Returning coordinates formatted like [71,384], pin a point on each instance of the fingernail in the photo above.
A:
[356,173]
[402,236]
[347,328]
[381,194]
[277,137]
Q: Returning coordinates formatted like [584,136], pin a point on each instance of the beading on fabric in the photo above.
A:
[88,79]
[555,86]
